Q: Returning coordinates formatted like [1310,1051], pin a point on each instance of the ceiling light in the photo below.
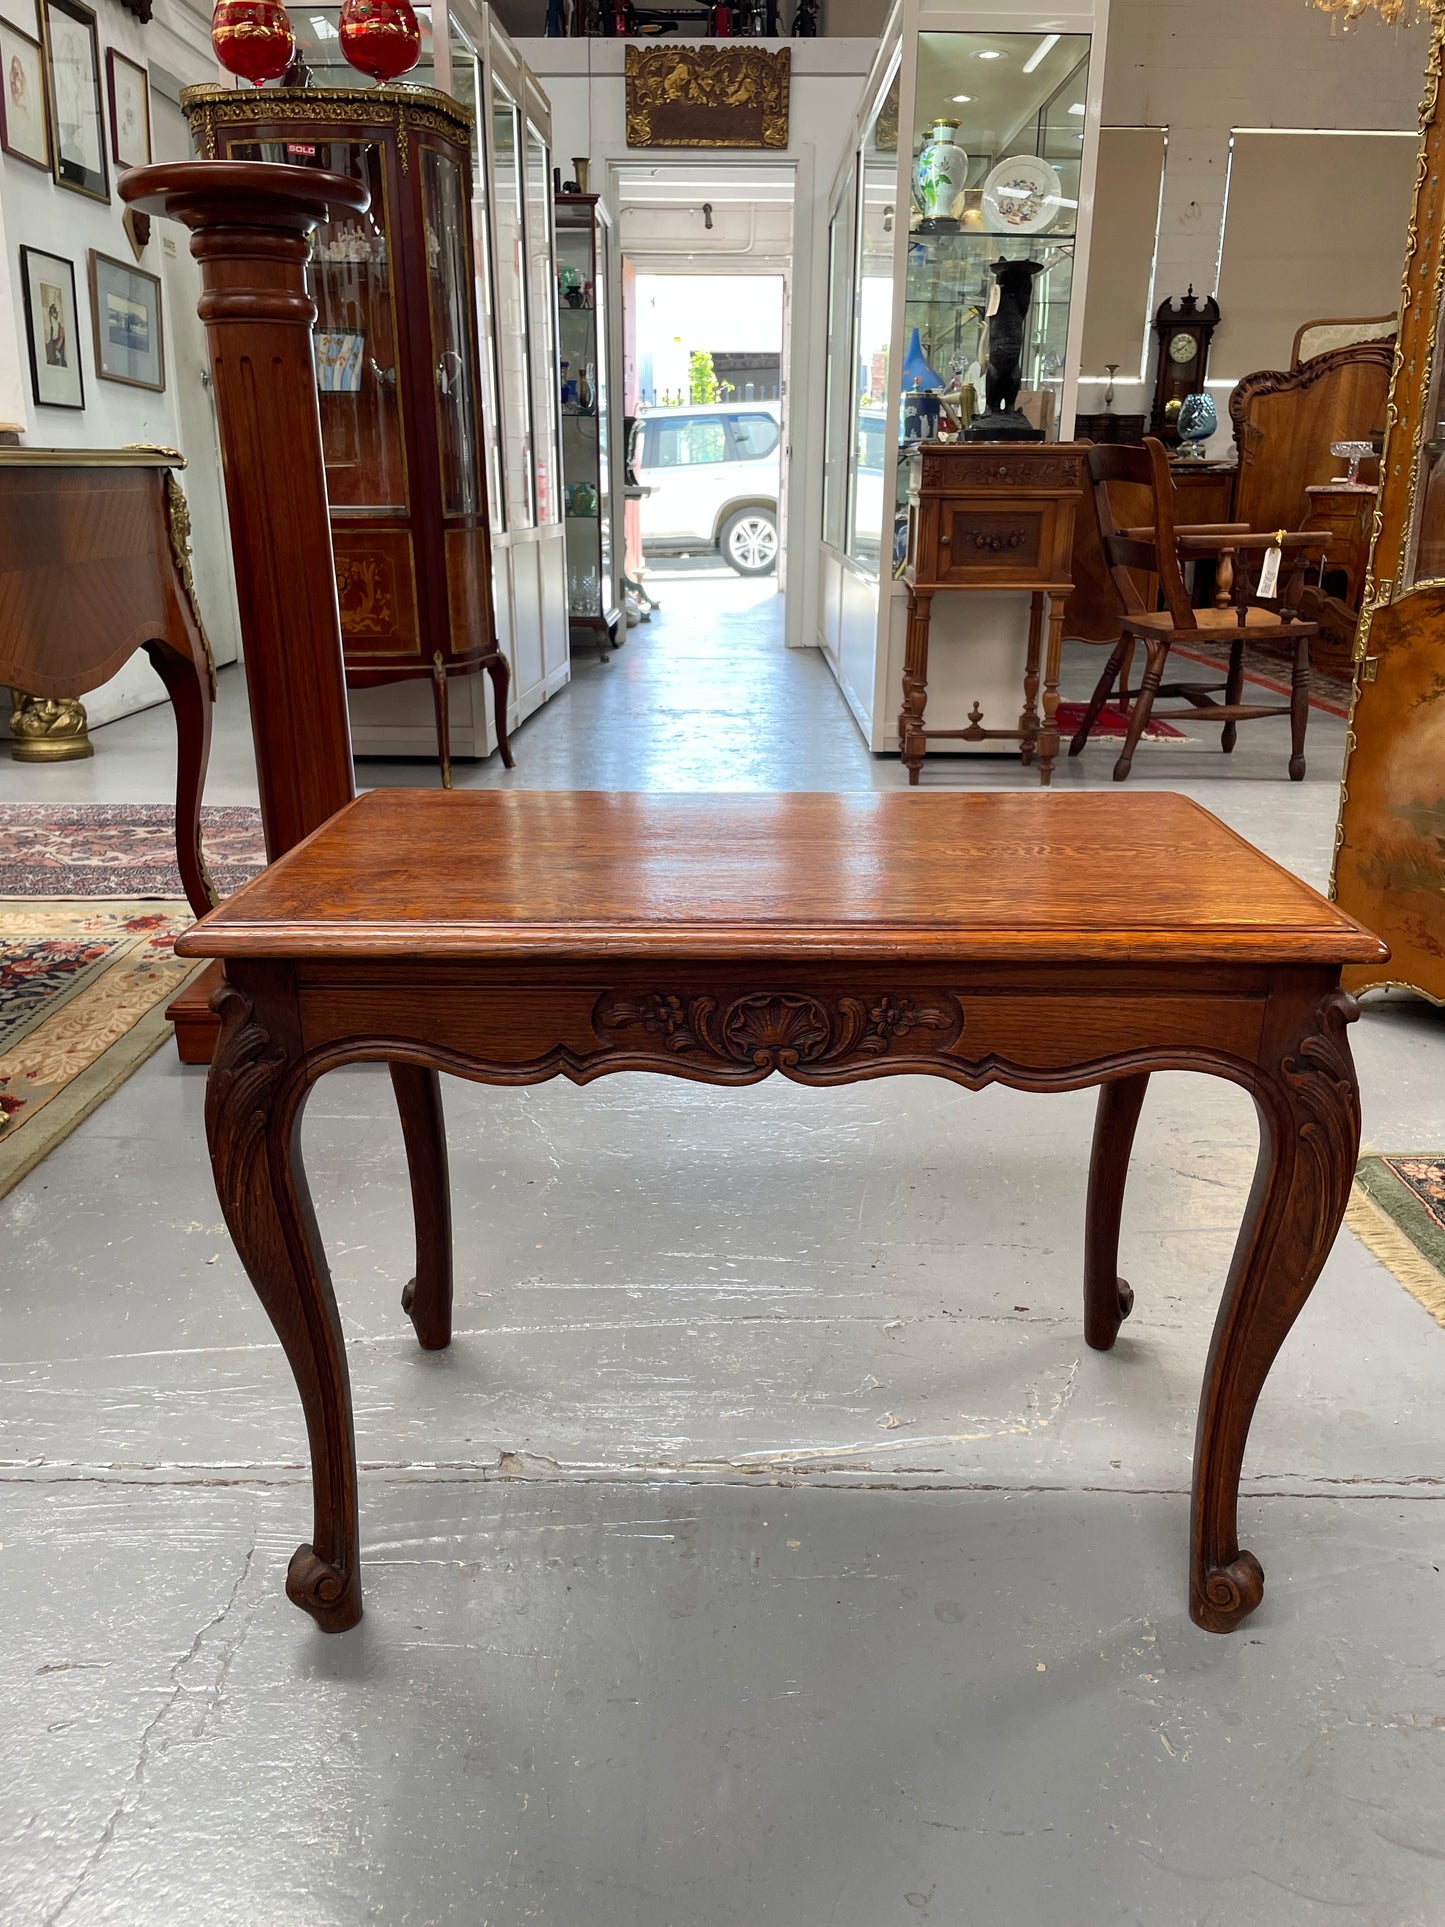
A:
[962,100]
[1077,108]
[989,53]
[1041,52]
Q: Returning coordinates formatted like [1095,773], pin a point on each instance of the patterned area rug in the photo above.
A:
[83,990]
[1397,1209]
[123,850]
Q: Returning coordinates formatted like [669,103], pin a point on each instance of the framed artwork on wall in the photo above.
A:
[24,122]
[77,114]
[130,110]
[48,286]
[125,314]
[24,14]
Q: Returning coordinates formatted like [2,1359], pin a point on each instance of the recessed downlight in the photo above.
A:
[988,53]
[962,100]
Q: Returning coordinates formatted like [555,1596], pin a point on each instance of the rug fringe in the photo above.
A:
[1379,1233]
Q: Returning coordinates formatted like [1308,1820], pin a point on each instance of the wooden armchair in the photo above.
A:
[1238,614]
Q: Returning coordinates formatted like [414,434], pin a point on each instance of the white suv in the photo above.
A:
[712,472]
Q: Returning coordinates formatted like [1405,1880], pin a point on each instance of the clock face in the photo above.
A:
[1182,348]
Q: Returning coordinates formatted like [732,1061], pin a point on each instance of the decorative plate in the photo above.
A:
[1022,196]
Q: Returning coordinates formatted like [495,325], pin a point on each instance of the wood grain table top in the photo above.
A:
[1045,877]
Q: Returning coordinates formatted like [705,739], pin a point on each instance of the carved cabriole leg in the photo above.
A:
[1122,648]
[1308,1103]
[501,676]
[1029,716]
[189,689]
[1107,1297]
[427,1299]
[254,1100]
[1049,731]
[912,744]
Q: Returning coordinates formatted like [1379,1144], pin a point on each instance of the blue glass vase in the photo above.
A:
[916,371]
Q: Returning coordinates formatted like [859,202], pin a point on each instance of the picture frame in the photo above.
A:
[125,320]
[24,106]
[47,284]
[77,111]
[22,14]
[127,89]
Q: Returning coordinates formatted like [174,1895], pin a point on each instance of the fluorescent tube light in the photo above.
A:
[1041,52]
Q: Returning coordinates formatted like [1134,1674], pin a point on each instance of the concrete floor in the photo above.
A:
[768,1547]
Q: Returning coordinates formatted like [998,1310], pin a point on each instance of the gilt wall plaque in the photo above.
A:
[707,96]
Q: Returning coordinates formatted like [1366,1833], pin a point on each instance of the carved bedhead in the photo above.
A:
[1284,422]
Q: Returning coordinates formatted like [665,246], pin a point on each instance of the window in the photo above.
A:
[754,436]
[688,443]
[870,442]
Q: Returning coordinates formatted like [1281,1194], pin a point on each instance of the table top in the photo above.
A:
[1042,876]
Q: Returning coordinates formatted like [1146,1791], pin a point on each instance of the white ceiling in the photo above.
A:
[689,184]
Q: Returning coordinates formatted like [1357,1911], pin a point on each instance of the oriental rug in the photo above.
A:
[125,850]
[83,990]
[1397,1210]
[1112,722]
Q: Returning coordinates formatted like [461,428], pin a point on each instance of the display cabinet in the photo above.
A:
[958,235]
[584,274]
[397,372]
[468,57]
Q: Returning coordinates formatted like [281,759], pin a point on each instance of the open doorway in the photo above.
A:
[707,252]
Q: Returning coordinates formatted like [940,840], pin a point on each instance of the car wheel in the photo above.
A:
[750,541]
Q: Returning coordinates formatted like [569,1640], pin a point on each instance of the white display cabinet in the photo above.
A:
[1024,87]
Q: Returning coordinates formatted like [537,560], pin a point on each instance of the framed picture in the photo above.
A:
[24,14]
[77,115]
[130,110]
[125,313]
[48,286]
[24,120]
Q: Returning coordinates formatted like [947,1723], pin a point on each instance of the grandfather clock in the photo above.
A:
[1184,329]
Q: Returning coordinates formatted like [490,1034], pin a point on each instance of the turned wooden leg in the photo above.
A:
[501,675]
[1309,1111]
[1029,715]
[1233,691]
[254,1099]
[1122,649]
[1107,1297]
[427,1298]
[1143,704]
[1053,658]
[189,687]
[1299,709]
[912,743]
[444,726]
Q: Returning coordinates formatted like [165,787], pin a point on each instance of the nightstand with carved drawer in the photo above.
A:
[990,516]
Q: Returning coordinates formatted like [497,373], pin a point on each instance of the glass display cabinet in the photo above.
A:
[397,372]
[584,268]
[958,233]
[468,57]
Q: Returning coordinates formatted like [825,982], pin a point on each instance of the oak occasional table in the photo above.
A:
[1046,942]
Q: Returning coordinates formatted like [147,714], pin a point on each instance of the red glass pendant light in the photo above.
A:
[380,37]
[252,38]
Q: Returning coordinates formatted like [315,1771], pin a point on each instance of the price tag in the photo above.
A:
[1269,568]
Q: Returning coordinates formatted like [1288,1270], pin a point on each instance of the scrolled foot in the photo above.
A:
[433,1334]
[1126,1298]
[332,1598]
[1224,1596]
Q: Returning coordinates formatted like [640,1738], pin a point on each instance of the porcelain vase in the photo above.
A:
[939,174]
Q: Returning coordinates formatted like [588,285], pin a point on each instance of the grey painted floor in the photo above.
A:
[768,1547]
